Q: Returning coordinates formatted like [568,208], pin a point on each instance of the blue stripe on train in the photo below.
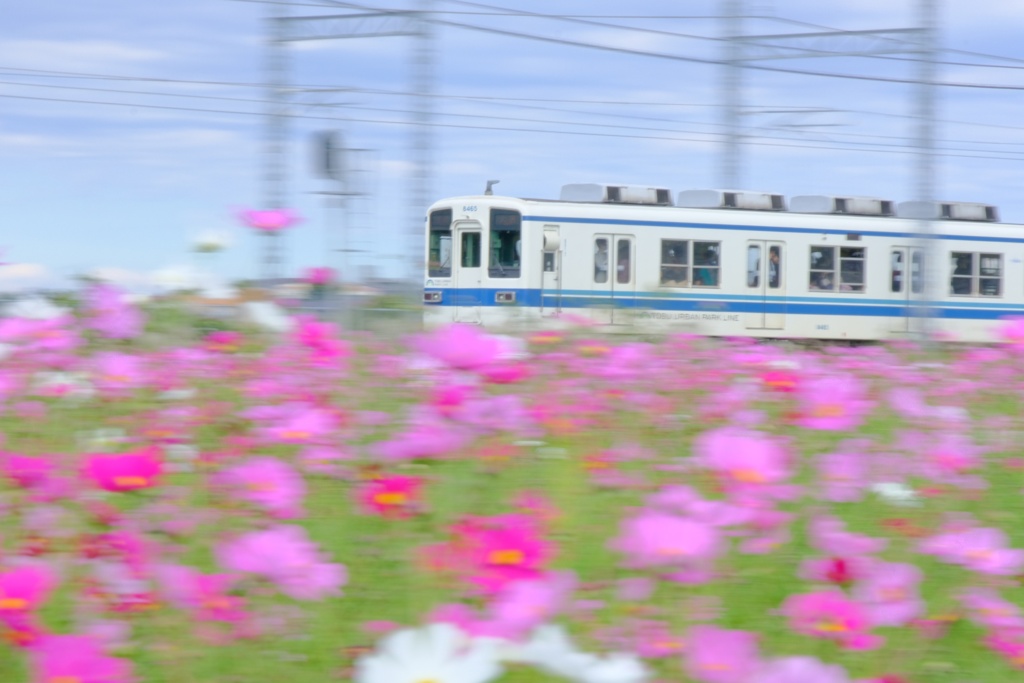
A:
[724,303]
[761,228]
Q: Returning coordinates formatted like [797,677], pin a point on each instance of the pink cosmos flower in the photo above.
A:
[462,347]
[523,605]
[324,460]
[76,659]
[890,594]
[1009,645]
[223,341]
[799,670]
[829,535]
[321,340]
[717,655]
[844,476]
[125,471]
[117,373]
[26,471]
[302,426]
[112,316]
[268,483]
[269,220]
[833,402]
[285,556]
[657,539]
[496,551]
[988,609]
[744,459]
[25,587]
[830,614]
[320,276]
[205,595]
[394,496]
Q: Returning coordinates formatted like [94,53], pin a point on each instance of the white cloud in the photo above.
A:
[17,276]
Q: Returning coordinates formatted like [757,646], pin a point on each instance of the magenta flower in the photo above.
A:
[504,549]
[831,615]
[76,659]
[268,483]
[320,276]
[125,471]
[25,471]
[24,588]
[269,220]
[717,655]
[394,496]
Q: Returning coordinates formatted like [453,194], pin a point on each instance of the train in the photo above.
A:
[638,259]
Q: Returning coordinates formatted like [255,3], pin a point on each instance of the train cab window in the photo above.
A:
[976,274]
[850,263]
[675,261]
[506,231]
[706,264]
[601,260]
[439,257]
[623,264]
[470,250]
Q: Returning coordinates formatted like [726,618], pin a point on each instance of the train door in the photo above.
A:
[468,273]
[614,279]
[551,272]
[906,283]
[766,284]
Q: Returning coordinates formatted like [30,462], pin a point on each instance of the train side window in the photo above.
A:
[675,261]
[471,250]
[623,267]
[851,269]
[823,268]
[753,265]
[990,281]
[506,228]
[962,280]
[601,260]
[706,264]
[897,272]
[439,256]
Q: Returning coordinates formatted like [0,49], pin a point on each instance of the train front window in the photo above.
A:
[506,245]
[439,258]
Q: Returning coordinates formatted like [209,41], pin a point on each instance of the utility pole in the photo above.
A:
[732,87]
[423,94]
[928,47]
[275,174]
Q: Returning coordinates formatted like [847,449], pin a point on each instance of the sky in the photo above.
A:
[129,131]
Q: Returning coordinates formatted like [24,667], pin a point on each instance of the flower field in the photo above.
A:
[459,507]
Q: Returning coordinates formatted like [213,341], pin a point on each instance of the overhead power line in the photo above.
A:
[1009,156]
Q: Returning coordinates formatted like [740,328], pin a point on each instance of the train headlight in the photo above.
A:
[505,297]
[431,297]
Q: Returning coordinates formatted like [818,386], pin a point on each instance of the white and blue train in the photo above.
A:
[724,263]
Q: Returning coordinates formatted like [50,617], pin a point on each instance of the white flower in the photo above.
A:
[896,493]
[550,650]
[439,653]
[267,315]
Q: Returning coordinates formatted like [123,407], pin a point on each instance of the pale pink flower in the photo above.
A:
[717,655]
[832,402]
[268,483]
[890,594]
[831,615]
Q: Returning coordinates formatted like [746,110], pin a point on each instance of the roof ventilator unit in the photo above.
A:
[849,206]
[616,194]
[731,199]
[950,211]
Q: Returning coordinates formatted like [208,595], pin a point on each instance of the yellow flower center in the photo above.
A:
[13,604]
[828,410]
[260,486]
[390,498]
[717,666]
[130,482]
[295,435]
[831,626]
[64,679]
[748,476]
[506,557]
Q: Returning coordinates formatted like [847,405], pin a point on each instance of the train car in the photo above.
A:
[723,263]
